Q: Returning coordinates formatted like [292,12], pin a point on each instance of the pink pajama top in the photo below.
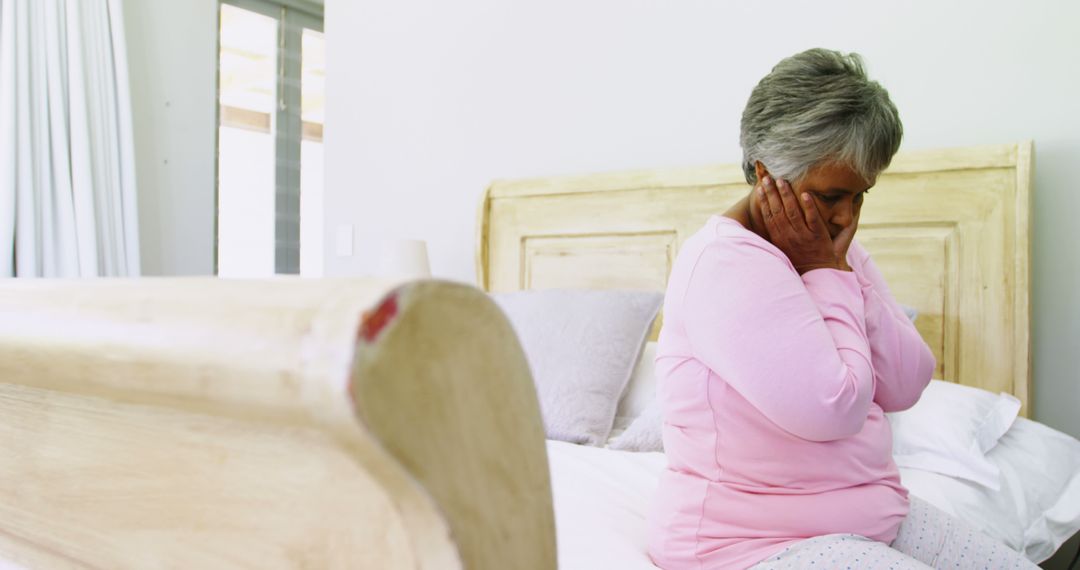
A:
[773,387]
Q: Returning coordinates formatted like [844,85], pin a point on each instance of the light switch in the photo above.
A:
[344,240]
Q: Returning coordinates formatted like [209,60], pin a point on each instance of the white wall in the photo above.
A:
[428,101]
[172,56]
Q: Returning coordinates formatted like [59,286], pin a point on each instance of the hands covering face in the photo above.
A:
[796,228]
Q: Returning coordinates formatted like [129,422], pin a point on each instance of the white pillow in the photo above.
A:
[645,433]
[581,346]
[950,430]
[1038,506]
[641,392]
[638,419]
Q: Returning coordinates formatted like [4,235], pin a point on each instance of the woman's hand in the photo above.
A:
[795,227]
[842,241]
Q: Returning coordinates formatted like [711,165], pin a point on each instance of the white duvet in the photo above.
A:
[602,498]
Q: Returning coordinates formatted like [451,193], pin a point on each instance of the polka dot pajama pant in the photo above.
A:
[928,538]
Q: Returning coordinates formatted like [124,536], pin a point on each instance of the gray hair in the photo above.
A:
[817,107]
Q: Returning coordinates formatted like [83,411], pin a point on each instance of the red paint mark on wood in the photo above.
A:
[376,320]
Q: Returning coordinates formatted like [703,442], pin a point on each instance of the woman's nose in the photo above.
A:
[843,213]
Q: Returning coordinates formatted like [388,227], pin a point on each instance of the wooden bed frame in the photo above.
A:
[948,228]
[203,423]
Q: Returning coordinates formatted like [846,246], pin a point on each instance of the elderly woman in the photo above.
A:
[782,349]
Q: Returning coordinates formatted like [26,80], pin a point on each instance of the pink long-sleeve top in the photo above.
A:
[774,387]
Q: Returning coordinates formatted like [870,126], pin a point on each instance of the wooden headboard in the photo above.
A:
[948,228]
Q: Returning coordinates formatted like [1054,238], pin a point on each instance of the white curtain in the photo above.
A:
[67,168]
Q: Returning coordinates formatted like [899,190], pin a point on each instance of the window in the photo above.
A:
[271,93]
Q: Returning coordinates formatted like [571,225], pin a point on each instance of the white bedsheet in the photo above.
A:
[602,498]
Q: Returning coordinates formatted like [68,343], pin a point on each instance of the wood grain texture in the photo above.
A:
[203,423]
[950,230]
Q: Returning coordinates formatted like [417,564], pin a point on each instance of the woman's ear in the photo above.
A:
[759,170]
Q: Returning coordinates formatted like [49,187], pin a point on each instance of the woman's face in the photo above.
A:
[838,192]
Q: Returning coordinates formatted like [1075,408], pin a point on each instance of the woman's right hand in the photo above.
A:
[795,227]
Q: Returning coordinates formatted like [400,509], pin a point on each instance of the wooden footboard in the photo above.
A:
[198,423]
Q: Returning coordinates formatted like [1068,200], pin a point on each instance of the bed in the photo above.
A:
[950,230]
[368,424]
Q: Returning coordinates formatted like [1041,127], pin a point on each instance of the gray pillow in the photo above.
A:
[581,346]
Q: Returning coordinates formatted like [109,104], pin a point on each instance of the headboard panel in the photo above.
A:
[948,228]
